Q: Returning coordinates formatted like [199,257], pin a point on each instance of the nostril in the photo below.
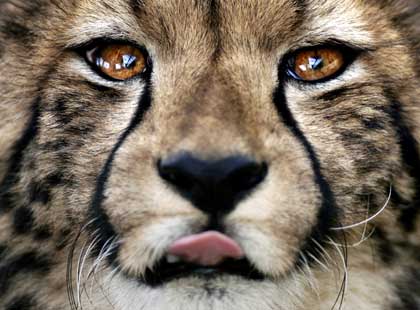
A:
[176,177]
[248,177]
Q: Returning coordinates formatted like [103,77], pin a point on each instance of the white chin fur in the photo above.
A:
[229,292]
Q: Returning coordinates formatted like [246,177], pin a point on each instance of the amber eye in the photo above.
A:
[314,65]
[117,61]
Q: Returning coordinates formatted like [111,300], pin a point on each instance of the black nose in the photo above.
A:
[212,186]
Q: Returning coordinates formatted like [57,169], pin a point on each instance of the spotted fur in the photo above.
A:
[84,214]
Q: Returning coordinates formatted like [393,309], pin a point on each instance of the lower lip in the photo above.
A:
[155,279]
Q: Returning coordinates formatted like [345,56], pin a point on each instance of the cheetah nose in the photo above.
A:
[213,186]
[206,249]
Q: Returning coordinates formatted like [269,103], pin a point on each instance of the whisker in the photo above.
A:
[79,273]
[69,272]
[86,256]
[309,274]
[324,266]
[344,259]
[370,218]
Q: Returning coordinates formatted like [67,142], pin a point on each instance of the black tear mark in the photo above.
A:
[28,262]
[328,213]
[23,220]
[25,302]
[101,220]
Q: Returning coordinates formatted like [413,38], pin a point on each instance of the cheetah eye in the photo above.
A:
[316,64]
[116,61]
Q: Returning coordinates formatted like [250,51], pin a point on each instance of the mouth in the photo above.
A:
[171,268]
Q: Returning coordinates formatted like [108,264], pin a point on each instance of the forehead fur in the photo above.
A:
[179,25]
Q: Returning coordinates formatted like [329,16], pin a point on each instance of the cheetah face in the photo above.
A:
[213,150]
[228,177]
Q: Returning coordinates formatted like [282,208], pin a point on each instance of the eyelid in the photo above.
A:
[99,42]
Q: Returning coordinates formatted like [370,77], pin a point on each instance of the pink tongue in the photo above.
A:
[206,249]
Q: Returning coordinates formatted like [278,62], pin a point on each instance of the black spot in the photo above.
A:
[55,179]
[6,197]
[42,233]
[23,220]
[384,247]
[410,160]
[14,30]
[28,262]
[62,115]
[2,50]
[136,5]
[408,218]
[397,199]
[351,135]
[356,141]
[25,302]
[80,130]
[101,220]
[55,145]
[407,291]
[7,202]
[302,5]
[39,193]
[328,213]
[17,24]
[373,123]
[67,108]
[3,252]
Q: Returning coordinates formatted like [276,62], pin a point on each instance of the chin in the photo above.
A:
[206,292]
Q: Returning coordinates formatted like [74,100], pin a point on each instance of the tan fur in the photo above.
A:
[215,70]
